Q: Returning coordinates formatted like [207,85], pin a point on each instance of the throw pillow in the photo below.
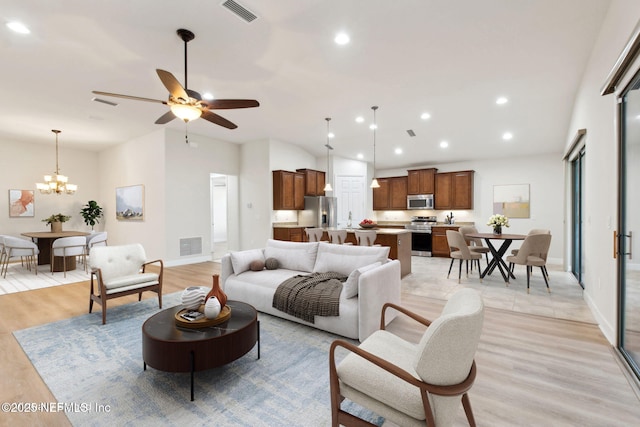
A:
[346,258]
[271,264]
[241,260]
[292,255]
[351,285]
[257,265]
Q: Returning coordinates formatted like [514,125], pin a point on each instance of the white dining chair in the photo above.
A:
[14,247]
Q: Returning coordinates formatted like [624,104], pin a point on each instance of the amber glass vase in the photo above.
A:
[216,291]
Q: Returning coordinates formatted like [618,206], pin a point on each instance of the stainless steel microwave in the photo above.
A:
[420,201]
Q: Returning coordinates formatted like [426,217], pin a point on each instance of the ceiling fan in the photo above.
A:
[187,104]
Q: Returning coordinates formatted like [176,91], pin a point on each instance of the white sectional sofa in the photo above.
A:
[373,280]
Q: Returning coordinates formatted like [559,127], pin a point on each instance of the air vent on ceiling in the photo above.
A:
[191,246]
[104,101]
[239,10]
[411,132]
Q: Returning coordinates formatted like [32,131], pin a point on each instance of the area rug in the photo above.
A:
[97,371]
[20,279]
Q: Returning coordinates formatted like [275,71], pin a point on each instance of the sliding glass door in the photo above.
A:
[577,201]
[629,227]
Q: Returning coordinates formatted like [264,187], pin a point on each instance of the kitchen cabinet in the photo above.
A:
[392,194]
[289,234]
[454,190]
[439,243]
[314,182]
[421,181]
[288,190]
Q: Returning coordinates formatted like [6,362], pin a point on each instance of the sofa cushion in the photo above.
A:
[241,260]
[346,258]
[292,255]
[350,289]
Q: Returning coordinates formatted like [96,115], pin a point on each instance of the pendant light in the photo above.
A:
[56,183]
[374,181]
[328,187]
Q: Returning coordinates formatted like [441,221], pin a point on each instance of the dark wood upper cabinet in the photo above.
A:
[288,190]
[454,190]
[421,181]
[314,182]
[392,193]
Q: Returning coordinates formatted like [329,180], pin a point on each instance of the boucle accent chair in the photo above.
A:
[412,384]
[120,271]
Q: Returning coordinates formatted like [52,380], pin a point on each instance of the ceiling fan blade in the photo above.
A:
[172,84]
[135,98]
[165,118]
[227,104]
[193,94]
[219,120]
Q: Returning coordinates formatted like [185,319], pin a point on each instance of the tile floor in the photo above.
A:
[429,279]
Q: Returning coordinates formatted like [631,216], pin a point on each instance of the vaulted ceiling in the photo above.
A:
[451,59]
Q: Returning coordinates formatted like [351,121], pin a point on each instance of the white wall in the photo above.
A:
[137,162]
[188,168]
[24,164]
[597,114]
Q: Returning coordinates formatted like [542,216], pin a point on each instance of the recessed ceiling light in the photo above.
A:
[398,151]
[501,100]
[18,27]
[359,119]
[331,135]
[342,38]
[373,126]
[444,144]
[207,95]
[360,156]
[425,116]
[507,136]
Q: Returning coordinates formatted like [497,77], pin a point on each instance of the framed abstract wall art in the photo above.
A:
[21,204]
[511,201]
[130,203]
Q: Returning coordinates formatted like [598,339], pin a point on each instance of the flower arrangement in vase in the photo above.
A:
[497,222]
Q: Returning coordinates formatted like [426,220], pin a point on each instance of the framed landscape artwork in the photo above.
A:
[21,204]
[130,203]
[511,201]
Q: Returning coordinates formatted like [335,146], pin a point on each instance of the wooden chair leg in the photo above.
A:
[466,404]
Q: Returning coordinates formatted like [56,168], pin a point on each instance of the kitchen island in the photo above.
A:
[397,239]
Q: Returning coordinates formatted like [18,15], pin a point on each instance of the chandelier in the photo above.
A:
[374,181]
[56,183]
[328,187]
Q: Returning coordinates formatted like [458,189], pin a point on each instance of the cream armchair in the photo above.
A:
[412,384]
[120,271]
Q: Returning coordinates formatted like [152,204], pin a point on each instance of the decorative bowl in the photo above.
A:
[363,225]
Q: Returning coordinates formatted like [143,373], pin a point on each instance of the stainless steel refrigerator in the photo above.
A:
[319,211]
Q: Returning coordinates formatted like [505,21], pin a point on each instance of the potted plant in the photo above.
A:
[91,212]
[56,221]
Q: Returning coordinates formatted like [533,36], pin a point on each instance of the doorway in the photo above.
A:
[219,218]
[350,197]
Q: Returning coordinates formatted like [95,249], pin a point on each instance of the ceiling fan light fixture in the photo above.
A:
[186,112]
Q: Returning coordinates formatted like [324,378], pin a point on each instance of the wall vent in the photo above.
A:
[239,10]
[191,246]
[411,132]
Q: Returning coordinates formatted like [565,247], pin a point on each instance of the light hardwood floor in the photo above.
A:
[532,370]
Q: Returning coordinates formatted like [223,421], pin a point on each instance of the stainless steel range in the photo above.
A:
[420,227]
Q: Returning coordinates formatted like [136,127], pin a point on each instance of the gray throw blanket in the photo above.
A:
[306,296]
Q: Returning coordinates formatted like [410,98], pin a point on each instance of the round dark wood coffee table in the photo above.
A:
[170,348]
